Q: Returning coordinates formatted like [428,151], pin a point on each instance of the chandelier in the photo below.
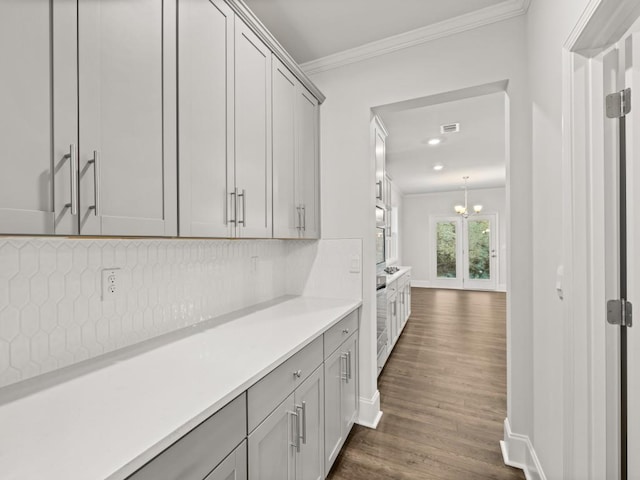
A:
[464,210]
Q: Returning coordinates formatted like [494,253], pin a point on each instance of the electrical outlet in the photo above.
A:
[110,283]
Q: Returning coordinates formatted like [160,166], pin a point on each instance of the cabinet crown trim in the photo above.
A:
[250,18]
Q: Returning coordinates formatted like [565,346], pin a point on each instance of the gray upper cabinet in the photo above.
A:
[205,79]
[308,171]
[286,212]
[252,167]
[36,159]
[295,157]
[127,90]
[87,117]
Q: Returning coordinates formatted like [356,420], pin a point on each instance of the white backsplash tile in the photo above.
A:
[52,314]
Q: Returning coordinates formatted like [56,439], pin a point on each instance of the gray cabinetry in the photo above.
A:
[341,397]
[196,454]
[127,108]
[251,172]
[205,74]
[234,467]
[88,117]
[295,157]
[38,161]
[272,444]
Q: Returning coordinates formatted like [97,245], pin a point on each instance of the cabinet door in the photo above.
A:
[252,134]
[37,95]
[379,153]
[234,467]
[391,315]
[309,402]
[334,377]
[308,166]
[127,92]
[205,72]
[350,392]
[286,210]
[271,450]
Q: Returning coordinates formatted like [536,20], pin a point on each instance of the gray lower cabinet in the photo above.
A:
[341,397]
[234,467]
[272,445]
[198,453]
[289,443]
[309,403]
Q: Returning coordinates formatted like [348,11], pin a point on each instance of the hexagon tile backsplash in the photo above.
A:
[52,315]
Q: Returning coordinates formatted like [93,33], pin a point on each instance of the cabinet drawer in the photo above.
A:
[340,332]
[268,393]
[196,454]
[392,287]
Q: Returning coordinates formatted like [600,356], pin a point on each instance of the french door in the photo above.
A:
[464,252]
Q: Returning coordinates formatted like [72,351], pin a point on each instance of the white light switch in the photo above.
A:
[355,264]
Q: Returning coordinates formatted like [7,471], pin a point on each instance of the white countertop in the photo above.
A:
[398,274]
[109,422]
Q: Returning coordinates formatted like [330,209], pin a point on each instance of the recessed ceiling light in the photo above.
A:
[438,166]
[434,141]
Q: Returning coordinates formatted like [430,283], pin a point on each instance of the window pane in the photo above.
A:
[479,249]
[446,249]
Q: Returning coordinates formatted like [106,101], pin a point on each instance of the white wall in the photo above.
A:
[488,54]
[549,24]
[417,237]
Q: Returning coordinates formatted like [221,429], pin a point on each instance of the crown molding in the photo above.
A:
[246,14]
[495,13]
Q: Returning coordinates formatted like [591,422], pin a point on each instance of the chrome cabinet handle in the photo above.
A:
[379,194]
[345,331]
[295,431]
[299,222]
[234,206]
[244,208]
[297,373]
[343,372]
[304,218]
[304,423]
[96,183]
[73,178]
[349,365]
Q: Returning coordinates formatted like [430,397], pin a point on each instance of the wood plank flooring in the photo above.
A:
[443,394]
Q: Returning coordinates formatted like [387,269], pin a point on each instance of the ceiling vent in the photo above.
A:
[450,128]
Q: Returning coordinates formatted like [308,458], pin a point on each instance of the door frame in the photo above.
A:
[587,419]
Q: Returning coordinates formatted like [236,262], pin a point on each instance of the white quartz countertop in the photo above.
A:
[110,421]
[398,274]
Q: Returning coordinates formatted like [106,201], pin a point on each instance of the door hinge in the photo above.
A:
[619,103]
[620,312]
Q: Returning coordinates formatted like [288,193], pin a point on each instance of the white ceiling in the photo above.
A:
[478,150]
[312,29]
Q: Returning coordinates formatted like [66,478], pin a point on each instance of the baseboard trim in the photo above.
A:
[518,452]
[370,414]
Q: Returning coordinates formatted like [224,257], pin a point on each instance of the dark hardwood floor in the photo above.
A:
[443,394]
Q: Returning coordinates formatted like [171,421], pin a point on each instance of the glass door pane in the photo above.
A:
[479,232]
[446,249]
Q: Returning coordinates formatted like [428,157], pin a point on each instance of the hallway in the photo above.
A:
[443,394]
